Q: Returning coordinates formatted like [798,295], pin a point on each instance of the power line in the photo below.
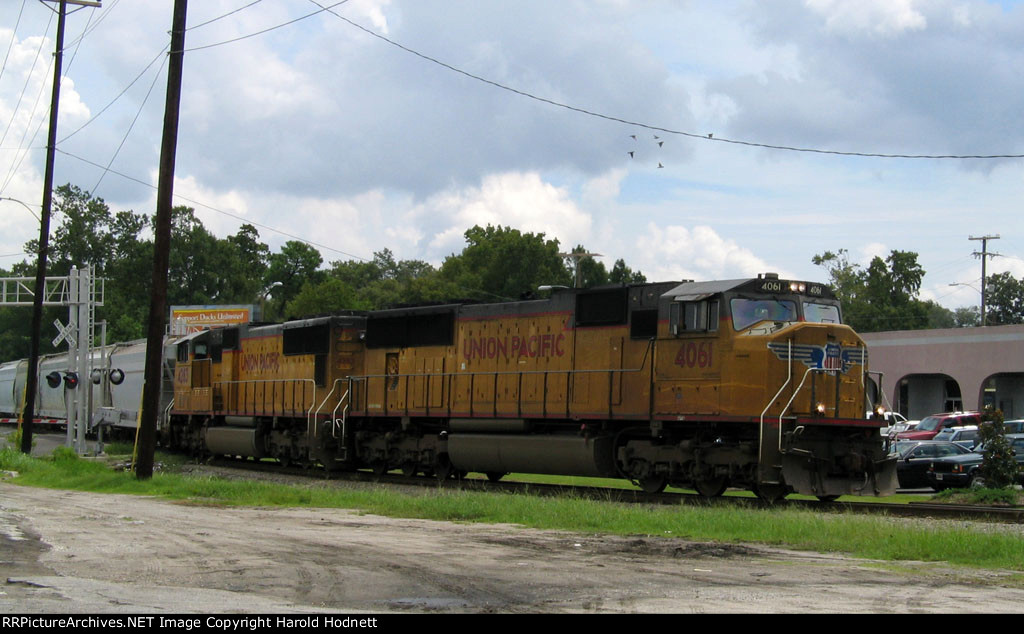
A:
[273,28]
[130,128]
[702,137]
[14,36]
[220,211]
[220,17]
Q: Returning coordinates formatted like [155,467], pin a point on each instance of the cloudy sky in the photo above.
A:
[401,123]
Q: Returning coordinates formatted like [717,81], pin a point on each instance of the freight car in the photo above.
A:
[751,383]
[113,391]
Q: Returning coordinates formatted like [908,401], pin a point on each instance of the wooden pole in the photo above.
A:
[158,303]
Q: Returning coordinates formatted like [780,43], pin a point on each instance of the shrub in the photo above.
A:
[999,468]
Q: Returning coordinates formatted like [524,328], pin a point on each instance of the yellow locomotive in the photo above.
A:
[751,383]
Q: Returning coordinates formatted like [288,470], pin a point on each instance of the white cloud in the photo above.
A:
[519,200]
[878,17]
[698,253]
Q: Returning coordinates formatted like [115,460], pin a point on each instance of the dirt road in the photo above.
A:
[71,552]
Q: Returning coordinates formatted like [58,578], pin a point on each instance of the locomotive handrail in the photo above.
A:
[366,378]
[304,383]
[316,414]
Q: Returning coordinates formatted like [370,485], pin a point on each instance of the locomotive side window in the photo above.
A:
[183,352]
[747,312]
[821,313]
[689,317]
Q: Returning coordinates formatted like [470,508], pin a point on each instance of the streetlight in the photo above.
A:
[265,294]
[15,200]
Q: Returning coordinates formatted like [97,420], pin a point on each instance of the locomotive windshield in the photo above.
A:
[821,313]
[747,312]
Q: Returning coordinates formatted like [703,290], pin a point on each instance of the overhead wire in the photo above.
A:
[268,30]
[654,128]
[130,127]
[220,17]
[28,79]
[14,36]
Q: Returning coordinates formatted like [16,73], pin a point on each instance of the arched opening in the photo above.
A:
[1004,391]
[921,395]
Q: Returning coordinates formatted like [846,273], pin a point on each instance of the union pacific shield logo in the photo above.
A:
[831,357]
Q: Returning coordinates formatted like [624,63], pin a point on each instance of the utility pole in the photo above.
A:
[984,259]
[32,378]
[162,242]
[576,263]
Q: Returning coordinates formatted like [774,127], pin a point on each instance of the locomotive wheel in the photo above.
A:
[827,499]
[379,468]
[712,487]
[409,469]
[652,484]
[494,476]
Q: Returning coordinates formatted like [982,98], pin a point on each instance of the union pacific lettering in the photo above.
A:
[549,345]
[258,363]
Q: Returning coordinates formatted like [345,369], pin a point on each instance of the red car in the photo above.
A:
[932,425]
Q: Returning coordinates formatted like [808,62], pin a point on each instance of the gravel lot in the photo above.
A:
[84,553]
[70,552]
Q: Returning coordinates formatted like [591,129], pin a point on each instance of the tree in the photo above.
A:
[502,263]
[296,265]
[1004,299]
[622,274]
[330,296]
[998,467]
[881,297]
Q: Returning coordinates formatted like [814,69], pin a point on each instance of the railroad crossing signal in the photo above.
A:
[64,333]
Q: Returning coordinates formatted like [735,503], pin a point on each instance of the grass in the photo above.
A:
[869,537]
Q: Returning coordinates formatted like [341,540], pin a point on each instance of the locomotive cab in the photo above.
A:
[767,363]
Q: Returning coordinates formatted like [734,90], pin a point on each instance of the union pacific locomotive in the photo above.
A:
[750,383]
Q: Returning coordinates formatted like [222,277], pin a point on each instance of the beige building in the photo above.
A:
[931,371]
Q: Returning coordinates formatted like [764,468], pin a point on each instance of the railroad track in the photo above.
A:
[632,496]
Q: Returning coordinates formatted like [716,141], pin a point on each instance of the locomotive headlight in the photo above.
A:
[797,287]
[820,408]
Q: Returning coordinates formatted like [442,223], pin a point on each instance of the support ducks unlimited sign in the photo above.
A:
[187,319]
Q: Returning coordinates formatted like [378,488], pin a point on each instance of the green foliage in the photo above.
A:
[883,296]
[1004,299]
[502,263]
[998,468]
[497,263]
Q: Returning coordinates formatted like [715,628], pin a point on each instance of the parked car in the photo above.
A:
[964,470]
[892,420]
[931,425]
[1013,426]
[894,431]
[968,436]
[915,458]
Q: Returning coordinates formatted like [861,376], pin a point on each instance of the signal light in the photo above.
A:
[117,376]
[53,379]
[70,380]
